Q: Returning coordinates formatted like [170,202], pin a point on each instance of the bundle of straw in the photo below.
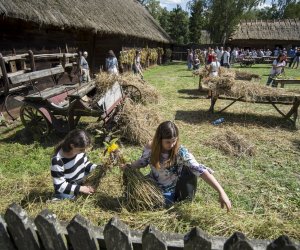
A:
[232,143]
[149,93]
[136,122]
[243,75]
[218,85]
[141,193]
[114,157]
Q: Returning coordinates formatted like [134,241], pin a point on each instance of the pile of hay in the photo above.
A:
[218,85]
[251,91]
[231,143]
[136,122]
[243,75]
[149,93]
[140,192]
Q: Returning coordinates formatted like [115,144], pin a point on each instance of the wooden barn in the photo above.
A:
[266,34]
[93,25]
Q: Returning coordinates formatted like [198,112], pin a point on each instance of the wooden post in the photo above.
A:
[81,234]
[31,59]
[50,231]
[117,235]
[282,243]
[21,228]
[237,241]
[5,240]
[153,239]
[197,239]
[4,75]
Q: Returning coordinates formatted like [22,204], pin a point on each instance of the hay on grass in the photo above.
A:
[95,178]
[141,193]
[232,143]
[137,122]
[243,75]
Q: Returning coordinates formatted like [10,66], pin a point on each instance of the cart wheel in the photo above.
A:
[12,104]
[132,92]
[34,120]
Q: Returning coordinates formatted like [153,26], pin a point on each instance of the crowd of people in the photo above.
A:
[227,56]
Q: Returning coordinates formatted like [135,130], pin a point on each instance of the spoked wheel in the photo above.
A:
[34,120]
[132,92]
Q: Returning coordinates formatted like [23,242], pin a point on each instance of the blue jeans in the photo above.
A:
[169,198]
[270,81]
[62,196]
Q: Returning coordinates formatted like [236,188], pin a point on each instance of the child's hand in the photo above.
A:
[224,201]
[86,189]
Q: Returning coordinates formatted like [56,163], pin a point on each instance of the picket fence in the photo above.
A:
[18,231]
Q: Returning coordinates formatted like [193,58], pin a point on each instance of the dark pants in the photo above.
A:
[186,185]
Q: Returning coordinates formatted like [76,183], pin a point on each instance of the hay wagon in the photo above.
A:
[61,107]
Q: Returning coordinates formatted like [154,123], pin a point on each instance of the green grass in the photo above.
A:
[264,189]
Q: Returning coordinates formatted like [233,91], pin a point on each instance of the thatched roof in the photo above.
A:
[288,29]
[118,17]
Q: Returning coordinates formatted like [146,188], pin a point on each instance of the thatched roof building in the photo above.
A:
[93,25]
[267,33]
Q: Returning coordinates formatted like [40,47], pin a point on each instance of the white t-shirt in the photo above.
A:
[226,57]
[214,69]
[276,71]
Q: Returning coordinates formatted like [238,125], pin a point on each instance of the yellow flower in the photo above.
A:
[113,147]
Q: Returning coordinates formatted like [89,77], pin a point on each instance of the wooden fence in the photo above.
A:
[18,231]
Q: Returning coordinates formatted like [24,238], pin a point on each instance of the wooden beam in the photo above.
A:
[4,75]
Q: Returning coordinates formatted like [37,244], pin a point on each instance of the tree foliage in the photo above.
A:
[197,20]
[179,25]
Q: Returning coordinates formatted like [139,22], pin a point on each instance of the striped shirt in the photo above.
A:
[68,172]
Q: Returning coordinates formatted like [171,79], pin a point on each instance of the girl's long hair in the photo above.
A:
[166,130]
[79,138]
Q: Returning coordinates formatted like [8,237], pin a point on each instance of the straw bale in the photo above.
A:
[232,143]
[141,192]
[243,75]
[149,93]
[136,122]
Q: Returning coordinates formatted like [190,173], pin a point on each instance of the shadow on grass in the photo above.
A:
[193,92]
[36,196]
[202,116]
[108,203]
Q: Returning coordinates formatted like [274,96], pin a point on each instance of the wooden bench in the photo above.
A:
[282,82]
[288,99]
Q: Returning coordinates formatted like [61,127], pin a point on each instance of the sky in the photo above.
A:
[171,4]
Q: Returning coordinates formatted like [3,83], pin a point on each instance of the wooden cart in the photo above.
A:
[61,107]
[283,82]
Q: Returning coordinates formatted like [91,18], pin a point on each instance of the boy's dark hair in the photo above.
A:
[79,138]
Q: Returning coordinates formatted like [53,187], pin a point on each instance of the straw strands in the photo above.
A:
[231,143]
[141,192]
[136,122]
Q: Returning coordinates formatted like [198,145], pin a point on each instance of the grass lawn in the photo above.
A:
[264,189]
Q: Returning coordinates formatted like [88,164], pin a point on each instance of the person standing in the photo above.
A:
[277,68]
[296,59]
[137,67]
[111,63]
[84,68]
[226,58]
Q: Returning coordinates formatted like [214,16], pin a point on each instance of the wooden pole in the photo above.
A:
[4,74]
[31,59]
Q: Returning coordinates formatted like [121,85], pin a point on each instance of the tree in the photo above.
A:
[292,10]
[179,25]
[197,19]
[224,15]
[164,19]
[154,8]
